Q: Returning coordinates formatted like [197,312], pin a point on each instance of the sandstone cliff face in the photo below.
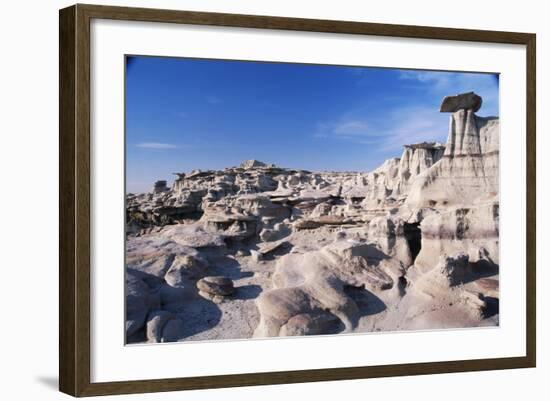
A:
[468,170]
[416,159]
[410,245]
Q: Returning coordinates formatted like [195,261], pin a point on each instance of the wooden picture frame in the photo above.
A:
[74,203]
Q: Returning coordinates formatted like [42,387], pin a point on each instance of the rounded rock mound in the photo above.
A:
[216,285]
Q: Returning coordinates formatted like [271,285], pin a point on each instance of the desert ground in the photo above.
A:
[260,250]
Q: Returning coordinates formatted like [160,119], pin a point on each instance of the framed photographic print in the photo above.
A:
[250,200]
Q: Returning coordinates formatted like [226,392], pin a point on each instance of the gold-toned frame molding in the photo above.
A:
[74,199]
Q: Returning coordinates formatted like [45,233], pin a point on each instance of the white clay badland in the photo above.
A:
[258,250]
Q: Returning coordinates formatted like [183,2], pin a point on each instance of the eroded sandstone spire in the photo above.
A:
[468,170]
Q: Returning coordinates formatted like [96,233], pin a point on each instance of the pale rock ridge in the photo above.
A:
[247,164]
[446,296]
[311,287]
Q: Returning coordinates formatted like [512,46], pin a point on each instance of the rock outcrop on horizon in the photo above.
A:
[261,250]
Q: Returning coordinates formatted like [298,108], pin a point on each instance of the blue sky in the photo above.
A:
[183,114]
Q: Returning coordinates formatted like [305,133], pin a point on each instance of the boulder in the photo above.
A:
[216,285]
[464,101]
[217,299]
[192,236]
[184,268]
[155,324]
[267,235]
[154,254]
[309,324]
[174,330]
[140,299]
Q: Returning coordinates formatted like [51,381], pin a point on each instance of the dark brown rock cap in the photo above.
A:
[463,101]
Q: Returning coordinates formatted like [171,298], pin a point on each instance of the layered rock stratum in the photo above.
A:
[263,251]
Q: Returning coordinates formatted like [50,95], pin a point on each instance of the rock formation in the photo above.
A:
[464,101]
[160,186]
[260,250]
[215,288]
[248,164]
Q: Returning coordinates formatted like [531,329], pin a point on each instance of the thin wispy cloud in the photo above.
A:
[390,131]
[157,145]
[410,125]
[347,127]
[435,78]
[182,114]
[213,100]
[352,128]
